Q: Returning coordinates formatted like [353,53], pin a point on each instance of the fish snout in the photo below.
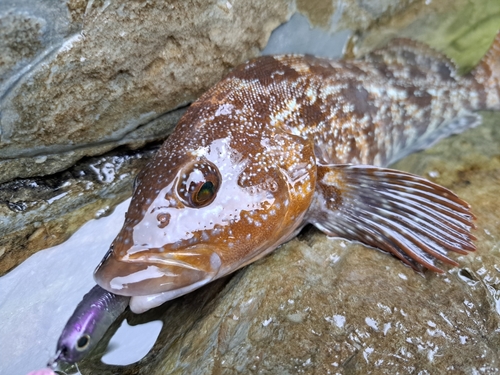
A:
[156,273]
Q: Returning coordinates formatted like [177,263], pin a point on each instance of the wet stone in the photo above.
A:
[37,213]
[462,29]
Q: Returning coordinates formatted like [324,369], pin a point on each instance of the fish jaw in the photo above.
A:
[140,304]
[157,273]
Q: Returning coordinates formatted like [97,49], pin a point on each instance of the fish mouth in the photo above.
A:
[156,273]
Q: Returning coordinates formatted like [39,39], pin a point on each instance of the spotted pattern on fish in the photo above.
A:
[283,141]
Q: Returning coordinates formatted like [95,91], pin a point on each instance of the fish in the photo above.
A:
[288,140]
[87,325]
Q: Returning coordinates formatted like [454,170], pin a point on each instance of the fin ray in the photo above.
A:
[410,187]
[466,120]
[416,220]
[446,205]
[369,237]
[417,242]
[439,242]
[418,206]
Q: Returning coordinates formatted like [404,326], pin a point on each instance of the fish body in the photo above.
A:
[283,141]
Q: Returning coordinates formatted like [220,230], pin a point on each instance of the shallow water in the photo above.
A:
[38,297]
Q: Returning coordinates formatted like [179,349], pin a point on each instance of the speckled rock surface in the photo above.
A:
[327,306]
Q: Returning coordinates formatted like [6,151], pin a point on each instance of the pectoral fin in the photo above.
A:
[416,220]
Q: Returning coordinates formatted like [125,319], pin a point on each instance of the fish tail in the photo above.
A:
[487,74]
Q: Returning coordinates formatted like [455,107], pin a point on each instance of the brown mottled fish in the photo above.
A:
[283,141]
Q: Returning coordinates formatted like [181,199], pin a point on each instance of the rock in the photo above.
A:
[36,213]
[460,28]
[117,66]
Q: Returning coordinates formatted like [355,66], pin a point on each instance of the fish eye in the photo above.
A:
[199,184]
[203,193]
[83,342]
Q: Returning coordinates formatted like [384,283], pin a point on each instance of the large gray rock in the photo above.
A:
[114,67]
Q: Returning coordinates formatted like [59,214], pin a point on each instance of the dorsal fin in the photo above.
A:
[419,58]
[487,73]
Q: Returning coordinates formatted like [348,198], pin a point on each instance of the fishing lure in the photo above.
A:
[91,319]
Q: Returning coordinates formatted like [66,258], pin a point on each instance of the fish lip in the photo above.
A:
[140,304]
[168,262]
[167,258]
[149,275]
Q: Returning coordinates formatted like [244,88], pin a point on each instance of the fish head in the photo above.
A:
[202,212]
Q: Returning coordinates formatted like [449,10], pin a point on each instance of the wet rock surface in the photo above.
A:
[327,306]
[39,212]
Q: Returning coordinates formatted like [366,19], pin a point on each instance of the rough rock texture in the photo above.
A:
[130,63]
[324,306]
[462,28]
